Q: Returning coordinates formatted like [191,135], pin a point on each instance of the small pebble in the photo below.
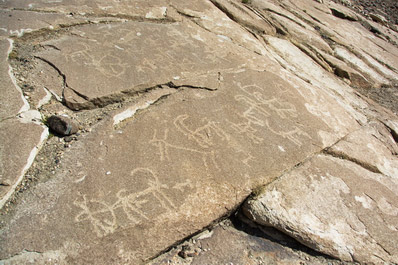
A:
[68,139]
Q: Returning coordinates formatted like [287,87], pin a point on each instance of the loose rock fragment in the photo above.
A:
[62,125]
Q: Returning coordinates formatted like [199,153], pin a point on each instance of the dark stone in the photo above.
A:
[186,251]
[62,126]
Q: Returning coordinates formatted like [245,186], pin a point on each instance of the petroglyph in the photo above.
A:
[183,185]
[247,160]
[102,214]
[260,109]
[208,157]
[292,135]
[99,214]
[108,64]
[247,129]
[202,135]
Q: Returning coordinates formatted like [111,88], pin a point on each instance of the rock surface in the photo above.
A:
[16,23]
[20,131]
[21,141]
[338,202]
[216,152]
[12,101]
[236,244]
[186,109]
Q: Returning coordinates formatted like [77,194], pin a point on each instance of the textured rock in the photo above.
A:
[357,38]
[124,193]
[11,98]
[62,125]
[132,9]
[113,67]
[342,12]
[226,244]
[188,107]
[21,139]
[372,148]
[339,206]
[18,22]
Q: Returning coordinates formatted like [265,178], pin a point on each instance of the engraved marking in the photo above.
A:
[108,64]
[81,179]
[102,226]
[102,215]
[291,135]
[259,111]
[247,159]
[184,185]
[164,147]
[202,136]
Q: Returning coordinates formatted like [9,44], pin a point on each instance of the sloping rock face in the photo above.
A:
[336,203]
[199,104]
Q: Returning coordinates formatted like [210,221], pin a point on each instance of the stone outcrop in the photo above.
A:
[186,110]
[342,202]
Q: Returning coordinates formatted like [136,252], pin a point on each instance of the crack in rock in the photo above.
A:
[153,96]
[344,156]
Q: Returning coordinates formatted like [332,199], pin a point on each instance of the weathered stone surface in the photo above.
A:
[213,19]
[47,83]
[242,15]
[374,149]
[379,18]
[339,206]
[342,32]
[20,141]
[293,26]
[342,70]
[226,244]
[192,106]
[109,61]
[304,67]
[11,99]
[156,9]
[169,165]
[17,22]
[342,12]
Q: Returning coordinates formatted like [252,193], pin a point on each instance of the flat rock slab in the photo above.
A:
[212,106]
[156,9]
[11,100]
[155,175]
[103,63]
[338,206]
[17,22]
[20,142]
